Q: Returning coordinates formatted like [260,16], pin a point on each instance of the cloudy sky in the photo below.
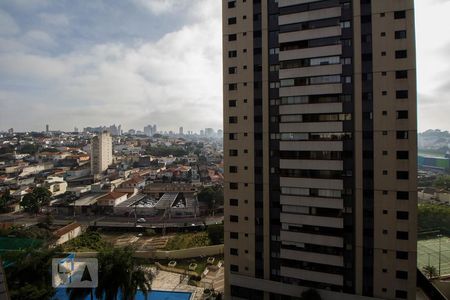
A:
[136,62]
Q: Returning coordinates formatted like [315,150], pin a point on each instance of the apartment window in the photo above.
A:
[402,114]
[274,68]
[232,103]
[232,70]
[401,255]
[401,294]
[232,53]
[274,51]
[402,195]
[234,235]
[232,136]
[234,186]
[231,21]
[401,54]
[401,74]
[345,24]
[401,275]
[402,215]
[233,251]
[399,14]
[402,235]
[401,94]
[232,86]
[234,219]
[233,120]
[234,268]
[402,135]
[400,34]
[402,155]
[233,152]
[232,37]
[234,202]
[233,169]
[403,175]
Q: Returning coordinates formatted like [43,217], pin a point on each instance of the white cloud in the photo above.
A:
[38,38]
[158,7]
[7,24]
[175,81]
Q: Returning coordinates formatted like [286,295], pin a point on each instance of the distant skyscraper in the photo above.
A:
[320,148]
[101,153]
[75,129]
[181,131]
[47,128]
[202,132]
[209,132]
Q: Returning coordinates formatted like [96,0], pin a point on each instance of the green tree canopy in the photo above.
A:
[215,233]
[212,195]
[432,217]
[120,274]
[442,182]
[33,202]
[5,200]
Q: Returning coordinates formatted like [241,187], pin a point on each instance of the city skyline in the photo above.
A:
[62,66]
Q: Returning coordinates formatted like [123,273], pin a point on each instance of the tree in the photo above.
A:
[215,234]
[5,200]
[430,271]
[29,273]
[120,274]
[211,195]
[310,295]
[29,149]
[442,182]
[32,202]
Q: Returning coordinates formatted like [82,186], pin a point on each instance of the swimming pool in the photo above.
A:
[153,295]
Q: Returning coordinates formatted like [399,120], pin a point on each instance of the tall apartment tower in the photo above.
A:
[320,148]
[101,152]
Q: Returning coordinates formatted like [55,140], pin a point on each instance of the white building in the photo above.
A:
[101,153]
[56,185]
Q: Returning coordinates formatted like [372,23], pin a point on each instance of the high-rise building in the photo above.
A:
[209,132]
[320,148]
[101,152]
[47,128]
[181,131]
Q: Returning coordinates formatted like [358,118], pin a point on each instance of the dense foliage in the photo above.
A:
[5,200]
[28,274]
[33,202]
[188,240]
[88,241]
[212,195]
[432,217]
[442,182]
[215,234]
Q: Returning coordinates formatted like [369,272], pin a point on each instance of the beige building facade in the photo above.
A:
[320,126]
[101,153]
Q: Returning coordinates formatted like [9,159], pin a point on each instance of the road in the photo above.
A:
[111,221]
